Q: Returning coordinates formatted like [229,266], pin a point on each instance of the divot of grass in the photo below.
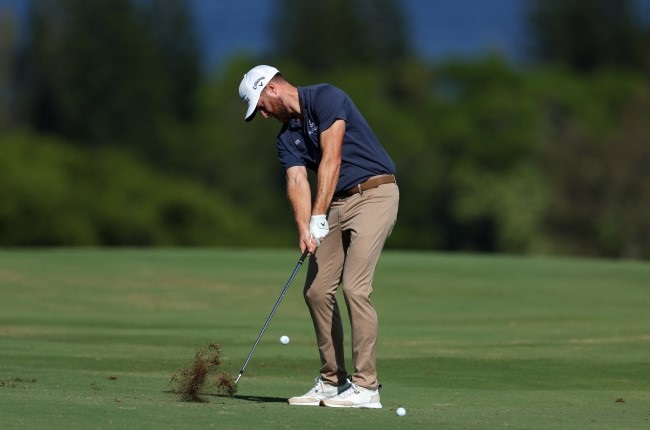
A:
[190,383]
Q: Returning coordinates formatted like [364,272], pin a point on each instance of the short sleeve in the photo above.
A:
[329,106]
[288,153]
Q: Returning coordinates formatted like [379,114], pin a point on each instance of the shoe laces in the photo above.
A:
[319,386]
[354,389]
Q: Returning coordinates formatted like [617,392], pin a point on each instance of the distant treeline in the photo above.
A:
[118,139]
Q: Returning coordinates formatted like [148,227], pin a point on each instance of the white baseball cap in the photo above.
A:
[252,85]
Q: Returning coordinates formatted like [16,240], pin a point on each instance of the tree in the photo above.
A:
[330,34]
[7,43]
[106,72]
[176,42]
[588,34]
[595,154]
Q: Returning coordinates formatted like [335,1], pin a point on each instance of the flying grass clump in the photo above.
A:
[190,382]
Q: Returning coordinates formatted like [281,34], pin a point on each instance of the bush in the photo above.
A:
[56,194]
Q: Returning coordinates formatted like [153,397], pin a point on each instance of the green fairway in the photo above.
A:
[90,338]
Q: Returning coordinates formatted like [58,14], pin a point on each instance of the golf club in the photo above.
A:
[277,303]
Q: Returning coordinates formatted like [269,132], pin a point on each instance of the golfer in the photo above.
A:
[344,226]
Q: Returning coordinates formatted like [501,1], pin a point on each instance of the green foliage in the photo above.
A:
[55,194]
[480,126]
[176,43]
[510,206]
[110,72]
[490,157]
[596,161]
[536,160]
[589,34]
[482,150]
[330,34]
[8,38]
[238,158]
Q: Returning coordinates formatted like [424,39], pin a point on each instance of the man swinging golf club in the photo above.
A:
[353,213]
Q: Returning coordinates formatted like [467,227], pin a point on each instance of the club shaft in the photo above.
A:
[275,307]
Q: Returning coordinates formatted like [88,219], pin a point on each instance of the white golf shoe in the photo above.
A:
[320,391]
[355,397]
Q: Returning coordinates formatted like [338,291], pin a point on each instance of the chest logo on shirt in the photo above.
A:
[311,127]
[297,142]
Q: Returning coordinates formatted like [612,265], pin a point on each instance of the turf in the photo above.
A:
[90,339]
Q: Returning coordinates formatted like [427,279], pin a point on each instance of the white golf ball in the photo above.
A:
[284,340]
[400,412]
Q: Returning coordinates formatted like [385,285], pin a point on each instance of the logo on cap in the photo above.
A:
[260,82]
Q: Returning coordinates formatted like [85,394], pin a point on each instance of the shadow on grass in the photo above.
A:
[257,399]
[260,399]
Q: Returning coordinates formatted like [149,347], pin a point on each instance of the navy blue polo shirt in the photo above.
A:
[298,143]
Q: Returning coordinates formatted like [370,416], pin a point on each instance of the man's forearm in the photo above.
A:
[300,198]
[328,176]
[330,165]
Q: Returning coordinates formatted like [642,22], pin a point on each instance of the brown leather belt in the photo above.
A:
[371,183]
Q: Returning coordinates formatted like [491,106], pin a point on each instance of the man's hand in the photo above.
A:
[318,227]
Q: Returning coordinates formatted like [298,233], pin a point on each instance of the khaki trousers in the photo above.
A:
[347,257]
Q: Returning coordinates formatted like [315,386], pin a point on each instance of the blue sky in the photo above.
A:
[438,28]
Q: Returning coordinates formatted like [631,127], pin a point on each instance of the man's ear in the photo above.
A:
[271,88]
